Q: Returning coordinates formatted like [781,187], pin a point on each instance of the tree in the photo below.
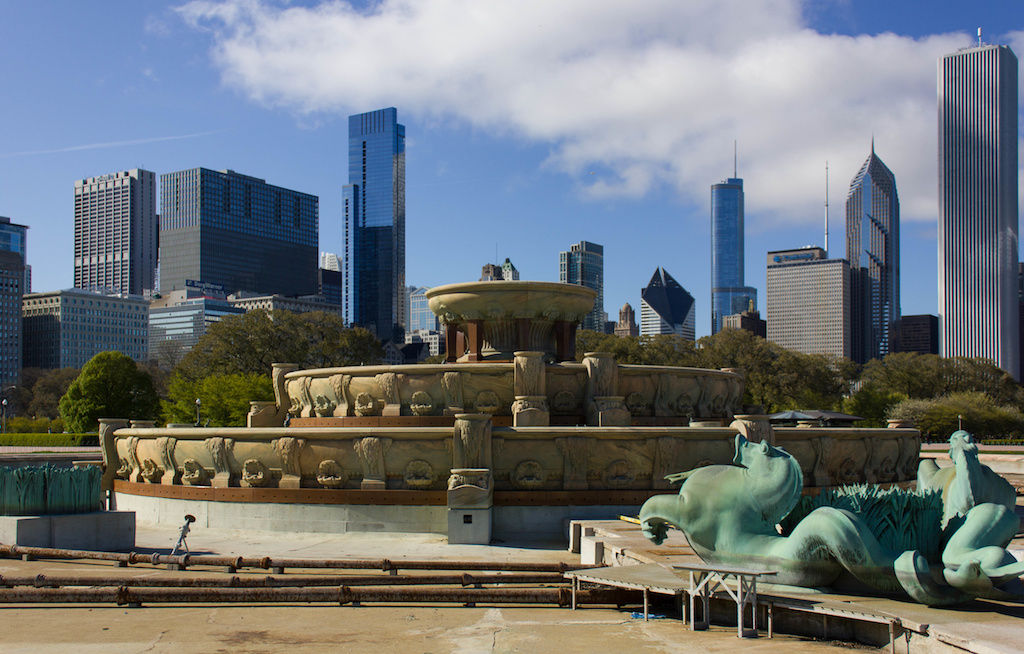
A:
[977,412]
[224,398]
[47,391]
[925,376]
[776,378]
[250,343]
[109,386]
[661,350]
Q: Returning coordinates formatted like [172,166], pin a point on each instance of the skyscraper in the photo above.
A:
[809,301]
[12,286]
[728,294]
[873,250]
[977,102]
[225,228]
[583,264]
[666,307]
[374,224]
[116,232]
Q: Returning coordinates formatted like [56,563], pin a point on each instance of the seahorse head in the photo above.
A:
[773,478]
[961,444]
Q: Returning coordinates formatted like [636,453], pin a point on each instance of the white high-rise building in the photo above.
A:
[330,261]
[978,306]
[666,308]
[809,302]
[116,232]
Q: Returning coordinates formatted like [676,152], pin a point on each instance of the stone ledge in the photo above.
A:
[100,530]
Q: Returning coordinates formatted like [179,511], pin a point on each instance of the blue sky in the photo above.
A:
[530,125]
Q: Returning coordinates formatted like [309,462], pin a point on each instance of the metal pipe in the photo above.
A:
[266,562]
[182,581]
[340,594]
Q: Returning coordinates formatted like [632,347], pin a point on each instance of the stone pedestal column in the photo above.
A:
[604,406]
[471,484]
[281,399]
[471,445]
[110,460]
[530,408]
[754,427]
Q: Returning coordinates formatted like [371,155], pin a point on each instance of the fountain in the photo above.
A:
[509,437]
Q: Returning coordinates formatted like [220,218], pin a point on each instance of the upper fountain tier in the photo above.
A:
[492,320]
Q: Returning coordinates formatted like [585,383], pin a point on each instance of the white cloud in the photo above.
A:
[630,95]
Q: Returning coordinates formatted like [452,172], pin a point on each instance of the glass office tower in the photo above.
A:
[873,250]
[583,264]
[373,206]
[236,231]
[728,294]
[13,253]
[978,222]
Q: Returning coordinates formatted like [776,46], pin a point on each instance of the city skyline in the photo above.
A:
[478,167]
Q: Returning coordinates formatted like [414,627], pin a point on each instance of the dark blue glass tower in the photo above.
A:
[873,250]
[728,294]
[374,224]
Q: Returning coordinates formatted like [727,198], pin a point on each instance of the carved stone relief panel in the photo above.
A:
[134,465]
[528,475]
[371,451]
[368,405]
[340,384]
[193,473]
[165,450]
[330,474]
[639,391]
[421,403]
[419,474]
[255,474]
[575,459]
[388,384]
[619,474]
[220,450]
[451,383]
[289,449]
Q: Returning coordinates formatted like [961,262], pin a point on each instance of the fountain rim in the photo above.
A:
[484,366]
[518,285]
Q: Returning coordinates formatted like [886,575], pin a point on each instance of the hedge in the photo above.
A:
[48,440]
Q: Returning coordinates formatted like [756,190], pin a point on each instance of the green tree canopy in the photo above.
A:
[926,376]
[981,415]
[109,386]
[250,343]
[224,398]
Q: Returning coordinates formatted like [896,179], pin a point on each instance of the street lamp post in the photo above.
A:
[198,404]
[3,415]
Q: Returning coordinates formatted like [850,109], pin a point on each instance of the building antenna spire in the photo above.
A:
[826,205]
[735,167]
[979,37]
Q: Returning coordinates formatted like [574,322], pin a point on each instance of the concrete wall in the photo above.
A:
[266,516]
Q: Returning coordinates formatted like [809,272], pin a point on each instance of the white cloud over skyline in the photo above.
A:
[639,94]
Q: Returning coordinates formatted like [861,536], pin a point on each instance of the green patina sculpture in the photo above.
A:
[731,515]
[48,490]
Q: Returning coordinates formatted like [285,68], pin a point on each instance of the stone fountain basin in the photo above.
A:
[509,300]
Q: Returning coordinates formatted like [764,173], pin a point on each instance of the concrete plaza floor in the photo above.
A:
[419,628]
